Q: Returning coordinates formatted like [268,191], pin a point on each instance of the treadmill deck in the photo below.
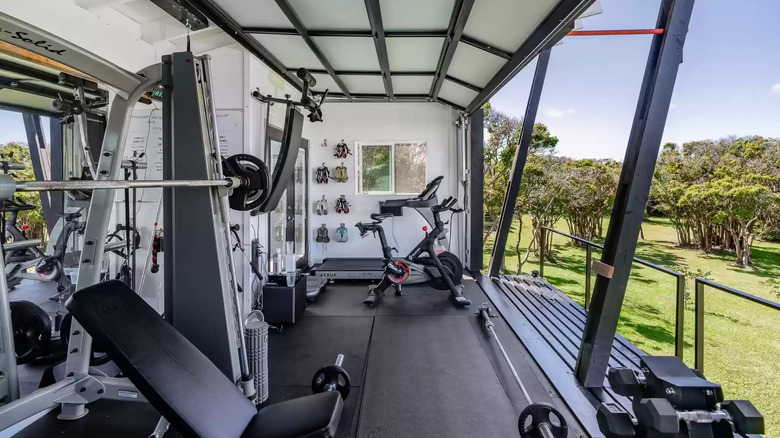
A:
[350,269]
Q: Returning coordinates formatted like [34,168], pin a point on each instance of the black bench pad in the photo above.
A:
[182,383]
[177,379]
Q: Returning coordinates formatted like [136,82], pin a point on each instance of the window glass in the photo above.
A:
[409,167]
[376,169]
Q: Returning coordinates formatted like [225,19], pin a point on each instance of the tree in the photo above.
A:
[588,193]
[499,151]
[720,194]
[33,219]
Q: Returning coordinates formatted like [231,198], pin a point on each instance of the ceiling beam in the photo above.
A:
[450,104]
[378,32]
[289,12]
[231,27]
[368,72]
[486,47]
[549,32]
[347,33]
[189,17]
[460,15]
[462,83]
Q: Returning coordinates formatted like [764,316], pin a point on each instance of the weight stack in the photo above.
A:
[256,335]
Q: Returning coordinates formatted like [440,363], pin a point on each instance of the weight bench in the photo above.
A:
[182,383]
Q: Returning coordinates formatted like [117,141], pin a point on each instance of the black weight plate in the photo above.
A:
[331,375]
[255,181]
[32,330]
[541,413]
[454,267]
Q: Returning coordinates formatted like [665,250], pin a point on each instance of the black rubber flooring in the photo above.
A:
[419,367]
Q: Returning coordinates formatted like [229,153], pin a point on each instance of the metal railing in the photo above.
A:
[699,318]
[679,324]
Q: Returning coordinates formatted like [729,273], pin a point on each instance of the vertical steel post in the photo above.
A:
[588,264]
[542,249]
[633,191]
[679,323]
[476,213]
[8,369]
[521,155]
[699,322]
[37,145]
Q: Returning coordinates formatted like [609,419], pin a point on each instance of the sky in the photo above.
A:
[728,84]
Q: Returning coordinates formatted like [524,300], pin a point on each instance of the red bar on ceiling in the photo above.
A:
[615,32]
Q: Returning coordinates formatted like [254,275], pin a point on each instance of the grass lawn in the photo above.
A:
[742,339]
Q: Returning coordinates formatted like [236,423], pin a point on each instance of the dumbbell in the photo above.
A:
[659,414]
[615,422]
[332,378]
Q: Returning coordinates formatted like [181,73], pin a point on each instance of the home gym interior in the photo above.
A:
[265,220]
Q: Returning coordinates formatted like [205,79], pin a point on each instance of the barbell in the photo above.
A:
[246,177]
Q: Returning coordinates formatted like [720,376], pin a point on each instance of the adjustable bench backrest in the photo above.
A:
[176,378]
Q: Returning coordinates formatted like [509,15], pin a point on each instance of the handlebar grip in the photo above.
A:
[306,76]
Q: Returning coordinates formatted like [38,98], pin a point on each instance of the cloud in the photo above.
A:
[776,88]
[557,113]
[672,106]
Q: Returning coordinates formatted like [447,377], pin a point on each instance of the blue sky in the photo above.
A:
[724,86]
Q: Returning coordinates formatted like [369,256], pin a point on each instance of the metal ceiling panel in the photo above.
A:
[412,84]
[332,14]
[506,24]
[416,15]
[414,54]
[252,13]
[473,65]
[325,82]
[364,84]
[454,93]
[291,51]
[349,53]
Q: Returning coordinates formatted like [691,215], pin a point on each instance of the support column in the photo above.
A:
[37,145]
[521,155]
[633,190]
[476,189]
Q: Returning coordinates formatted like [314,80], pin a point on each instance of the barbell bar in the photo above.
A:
[7,183]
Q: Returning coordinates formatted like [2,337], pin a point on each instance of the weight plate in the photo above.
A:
[541,413]
[331,378]
[32,330]
[255,181]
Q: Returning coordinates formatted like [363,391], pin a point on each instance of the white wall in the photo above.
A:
[429,122]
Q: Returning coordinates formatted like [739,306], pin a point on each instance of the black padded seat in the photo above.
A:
[182,383]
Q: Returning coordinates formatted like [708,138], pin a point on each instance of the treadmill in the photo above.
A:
[372,268]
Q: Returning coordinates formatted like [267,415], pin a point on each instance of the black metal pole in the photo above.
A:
[633,190]
[521,155]
[36,142]
[476,189]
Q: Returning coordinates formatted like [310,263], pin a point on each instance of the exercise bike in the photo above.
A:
[441,270]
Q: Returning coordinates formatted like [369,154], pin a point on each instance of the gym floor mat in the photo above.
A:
[295,354]
[429,377]
[423,300]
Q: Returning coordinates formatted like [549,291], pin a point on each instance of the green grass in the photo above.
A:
[742,339]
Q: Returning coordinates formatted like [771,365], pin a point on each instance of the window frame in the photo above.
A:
[358,147]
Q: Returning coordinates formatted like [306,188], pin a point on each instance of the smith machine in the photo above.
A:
[199,187]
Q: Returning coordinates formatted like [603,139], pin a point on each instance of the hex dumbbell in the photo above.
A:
[659,414]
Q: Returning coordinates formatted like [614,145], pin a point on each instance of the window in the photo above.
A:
[391,167]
